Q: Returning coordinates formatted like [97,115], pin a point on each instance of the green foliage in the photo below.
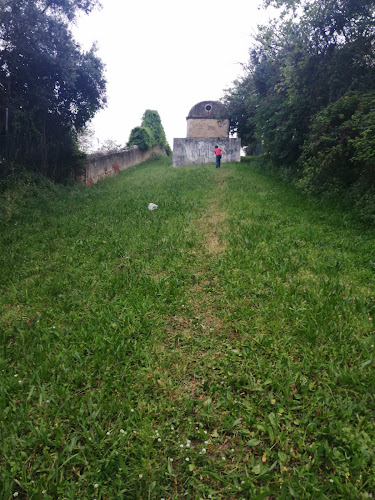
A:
[305,70]
[151,120]
[338,156]
[141,137]
[241,102]
[222,345]
[49,86]
[327,154]
[150,133]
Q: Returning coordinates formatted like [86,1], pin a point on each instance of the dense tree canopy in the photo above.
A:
[49,88]
[318,53]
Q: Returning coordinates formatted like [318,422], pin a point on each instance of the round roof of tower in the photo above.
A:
[208,109]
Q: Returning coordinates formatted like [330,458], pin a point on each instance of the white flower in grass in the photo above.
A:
[159,440]
[203,451]
[187,459]
[132,410]
[44,492]
[108,433]
[16,375]
[181,445]
[223,458]
[122,431]
[206,442]
[140,476]
[15,494]
[96,485]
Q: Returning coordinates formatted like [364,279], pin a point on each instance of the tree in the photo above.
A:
[152,121]
[308,96]
[296,70]
[241,102]
[48,85]
[150,133]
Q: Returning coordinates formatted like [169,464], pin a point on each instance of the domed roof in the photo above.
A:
[208,109]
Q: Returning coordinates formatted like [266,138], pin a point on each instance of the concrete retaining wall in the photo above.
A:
[199,150]
[99,165]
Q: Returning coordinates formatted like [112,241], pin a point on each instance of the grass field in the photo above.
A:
[221,346]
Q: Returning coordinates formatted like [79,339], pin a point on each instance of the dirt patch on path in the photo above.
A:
[212,224]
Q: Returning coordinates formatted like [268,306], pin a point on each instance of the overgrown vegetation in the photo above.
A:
[150,133]
[221,346]
[307,97]
[49,88]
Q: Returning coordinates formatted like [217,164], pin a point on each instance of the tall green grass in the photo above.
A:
[138,362]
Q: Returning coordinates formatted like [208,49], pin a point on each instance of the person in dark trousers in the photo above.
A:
[218,152]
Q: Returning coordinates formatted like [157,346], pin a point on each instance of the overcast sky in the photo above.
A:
[167,56]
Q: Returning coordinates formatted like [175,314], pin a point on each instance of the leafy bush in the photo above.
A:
[339,153]
[364,157]
[141,137]
[150,133]
[328,151]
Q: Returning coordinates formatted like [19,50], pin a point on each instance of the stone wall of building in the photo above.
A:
[207,127]
[99,166]
[198,151]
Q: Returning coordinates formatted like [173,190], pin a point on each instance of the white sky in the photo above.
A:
[167,56]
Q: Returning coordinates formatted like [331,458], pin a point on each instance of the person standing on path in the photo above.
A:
[218,152]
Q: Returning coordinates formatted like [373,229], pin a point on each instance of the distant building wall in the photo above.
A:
[207,127]
[99,166]
[198,151]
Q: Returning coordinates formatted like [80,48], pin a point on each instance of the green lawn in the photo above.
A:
[221,346]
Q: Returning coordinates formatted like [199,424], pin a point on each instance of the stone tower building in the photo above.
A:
[207,119]
[207,127]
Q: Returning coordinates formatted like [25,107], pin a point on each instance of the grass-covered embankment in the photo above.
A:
[218,347]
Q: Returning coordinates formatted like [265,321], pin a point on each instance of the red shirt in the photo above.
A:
[217,151]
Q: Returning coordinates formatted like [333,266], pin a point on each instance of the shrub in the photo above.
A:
[141,137]
[339,154]
[151,133]
[326,159]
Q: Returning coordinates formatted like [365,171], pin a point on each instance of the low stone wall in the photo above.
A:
[102,165]
[199,150]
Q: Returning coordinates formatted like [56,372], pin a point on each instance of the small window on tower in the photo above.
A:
[208,107]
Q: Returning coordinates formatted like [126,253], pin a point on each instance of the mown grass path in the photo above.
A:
[218,347]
